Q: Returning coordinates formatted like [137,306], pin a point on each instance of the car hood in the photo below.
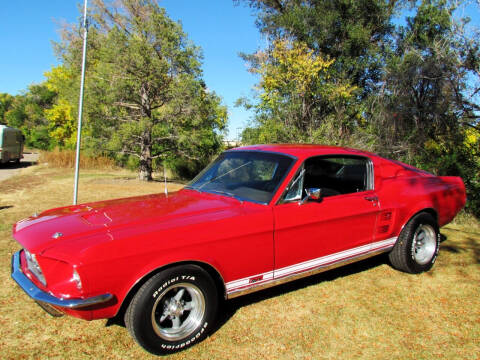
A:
[40,232]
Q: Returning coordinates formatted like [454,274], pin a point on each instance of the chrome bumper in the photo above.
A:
[44,298]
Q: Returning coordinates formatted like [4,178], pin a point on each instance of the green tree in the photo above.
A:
[146,95]
[6,101]
[26,112]
[353,32]
[299,99]
[352,35]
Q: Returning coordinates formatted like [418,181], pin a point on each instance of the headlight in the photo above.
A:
[34,267]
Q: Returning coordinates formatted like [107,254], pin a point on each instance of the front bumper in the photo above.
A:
[44,299]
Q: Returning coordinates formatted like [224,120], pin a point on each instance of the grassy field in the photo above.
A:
[363,311]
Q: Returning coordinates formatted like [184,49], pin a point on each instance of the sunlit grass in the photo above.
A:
[366,310]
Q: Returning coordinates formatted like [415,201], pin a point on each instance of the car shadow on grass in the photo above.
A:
[230,307]
[470,243]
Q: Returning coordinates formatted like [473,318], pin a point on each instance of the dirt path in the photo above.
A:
[10,169]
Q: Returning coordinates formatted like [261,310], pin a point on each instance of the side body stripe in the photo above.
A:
[258,280]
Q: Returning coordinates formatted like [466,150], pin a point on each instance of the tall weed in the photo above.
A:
[66,159]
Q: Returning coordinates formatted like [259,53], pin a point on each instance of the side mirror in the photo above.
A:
[313,194]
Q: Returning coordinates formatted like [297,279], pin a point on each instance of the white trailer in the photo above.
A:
[11,144]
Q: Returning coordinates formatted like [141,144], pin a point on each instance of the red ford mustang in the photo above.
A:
[256,217]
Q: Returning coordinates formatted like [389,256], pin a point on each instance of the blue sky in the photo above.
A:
[222,30]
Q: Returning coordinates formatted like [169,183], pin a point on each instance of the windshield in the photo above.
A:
[245,175]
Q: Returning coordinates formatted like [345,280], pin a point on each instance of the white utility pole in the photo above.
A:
[80,103]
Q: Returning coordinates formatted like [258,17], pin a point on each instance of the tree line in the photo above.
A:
[145,100]
[397,77]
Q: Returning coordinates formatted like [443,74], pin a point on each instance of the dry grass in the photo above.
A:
[366,310]
[66,159]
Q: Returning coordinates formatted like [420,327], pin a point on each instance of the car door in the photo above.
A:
[338,226]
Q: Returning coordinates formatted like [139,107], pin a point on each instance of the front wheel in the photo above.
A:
[173,310]
[417,246]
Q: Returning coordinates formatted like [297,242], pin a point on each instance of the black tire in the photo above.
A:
[417,246]
[173,310]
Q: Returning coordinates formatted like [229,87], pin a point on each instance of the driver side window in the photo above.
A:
[333,175]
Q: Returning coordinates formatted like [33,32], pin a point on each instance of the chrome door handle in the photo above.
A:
[373,199]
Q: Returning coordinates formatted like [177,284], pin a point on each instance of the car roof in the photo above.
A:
[302,151]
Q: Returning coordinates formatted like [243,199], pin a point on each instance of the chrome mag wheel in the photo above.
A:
[178,311]
[173,310]
[424,244]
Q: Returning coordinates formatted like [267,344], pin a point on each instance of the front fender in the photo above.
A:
[132,274]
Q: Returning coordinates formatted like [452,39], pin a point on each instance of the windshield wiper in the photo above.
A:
[226,193]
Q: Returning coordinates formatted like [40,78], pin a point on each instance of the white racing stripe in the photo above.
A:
[309,265]
[241,283]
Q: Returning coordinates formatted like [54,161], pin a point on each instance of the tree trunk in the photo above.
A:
[145,170]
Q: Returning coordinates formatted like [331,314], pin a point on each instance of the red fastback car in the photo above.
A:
[256,217]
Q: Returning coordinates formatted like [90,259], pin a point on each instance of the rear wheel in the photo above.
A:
[173,310]
[417,246]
